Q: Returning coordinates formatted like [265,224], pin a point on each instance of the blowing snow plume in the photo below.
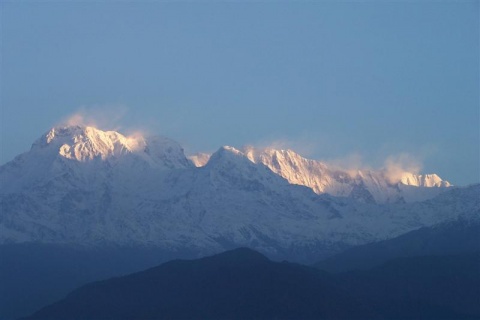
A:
[351,164]
[108,118]
[105,117]
[302,145]
[396,166]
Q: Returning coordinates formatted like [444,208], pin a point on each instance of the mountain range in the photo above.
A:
[381,186]
[115,204]
[81,185]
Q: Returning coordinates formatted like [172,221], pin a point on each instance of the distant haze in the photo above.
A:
[369,84]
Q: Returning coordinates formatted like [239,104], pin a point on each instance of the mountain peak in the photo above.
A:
[84,143]
[78,152]
[427,180]
[64,131]
[226,153]
[324,178]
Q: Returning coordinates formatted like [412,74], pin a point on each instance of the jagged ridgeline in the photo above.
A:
[84,186]
[379,186]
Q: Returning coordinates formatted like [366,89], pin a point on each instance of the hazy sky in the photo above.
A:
[351,81]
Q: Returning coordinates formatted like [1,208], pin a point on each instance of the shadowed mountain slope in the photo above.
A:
[453,237]
[238,284]
[243,284]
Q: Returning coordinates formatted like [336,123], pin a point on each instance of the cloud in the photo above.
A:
[303,146]
[76,119]
[351,163]
[396,166]
[106,117]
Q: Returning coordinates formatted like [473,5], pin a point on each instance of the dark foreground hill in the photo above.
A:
[238,284]
[424,287]
[243,284]
[448,238]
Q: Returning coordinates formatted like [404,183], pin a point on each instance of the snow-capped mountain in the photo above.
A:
[363,185]
[85,156]
[81,185]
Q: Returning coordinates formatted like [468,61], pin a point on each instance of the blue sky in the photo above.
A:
[334,81]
